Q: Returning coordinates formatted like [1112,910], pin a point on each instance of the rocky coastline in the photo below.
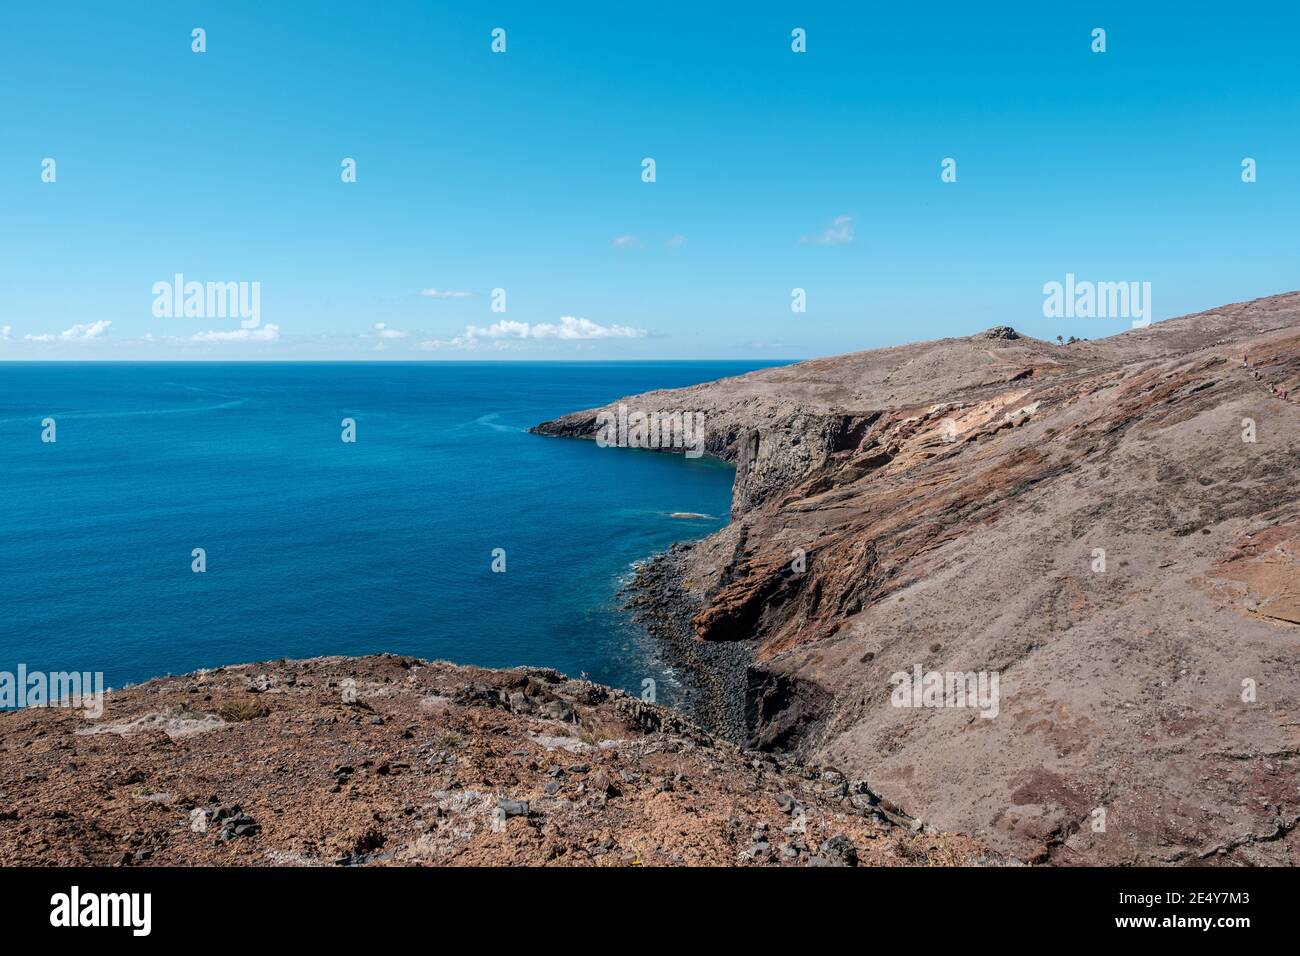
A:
[1111,527]
[1108,526]
[714,676]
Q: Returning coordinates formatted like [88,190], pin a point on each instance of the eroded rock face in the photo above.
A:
[1088,522]
[389,760]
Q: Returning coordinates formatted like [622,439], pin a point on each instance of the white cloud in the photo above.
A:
[91,330]
[386,333]
[466,341]
[624,242]
[78,333]
[445,294]
[568,329]
[571,328]
[503,329]
[267,333]
[6,332]
[839,233]
[676,241]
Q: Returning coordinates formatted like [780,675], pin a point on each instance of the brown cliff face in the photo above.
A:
[388,760]
[952,502]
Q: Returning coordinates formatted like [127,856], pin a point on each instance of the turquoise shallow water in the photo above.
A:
[319,547]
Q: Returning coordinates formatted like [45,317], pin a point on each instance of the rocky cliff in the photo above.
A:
[1110,527]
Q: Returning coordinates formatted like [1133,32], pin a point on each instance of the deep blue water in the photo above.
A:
[315,546]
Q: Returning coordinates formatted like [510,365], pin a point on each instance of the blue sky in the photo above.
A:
[522,171]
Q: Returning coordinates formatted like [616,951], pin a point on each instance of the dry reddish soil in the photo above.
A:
[388,760]
[952,500]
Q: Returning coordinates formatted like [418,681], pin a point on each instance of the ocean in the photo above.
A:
[315,546]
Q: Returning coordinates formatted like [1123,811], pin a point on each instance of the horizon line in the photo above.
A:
[287,361]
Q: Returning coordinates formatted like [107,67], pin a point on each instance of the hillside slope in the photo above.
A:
[953,500]
[387,760]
